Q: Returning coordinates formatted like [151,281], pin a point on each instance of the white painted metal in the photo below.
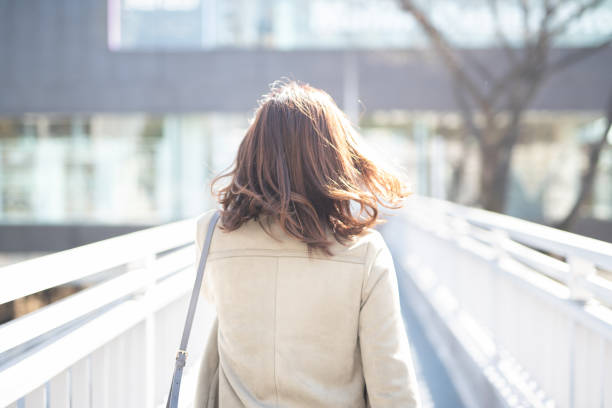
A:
[86,260]
[100,378]
[112,345]
[36,324]
[540,326]
[80,379]
[135,360]
[150,341]
[533,295]
[59,391]
[36,398]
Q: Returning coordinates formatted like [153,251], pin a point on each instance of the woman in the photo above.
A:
[304,288]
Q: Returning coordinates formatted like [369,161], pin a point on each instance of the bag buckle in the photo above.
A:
[181,351]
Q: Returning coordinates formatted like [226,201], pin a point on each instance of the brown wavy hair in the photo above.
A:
[299,163]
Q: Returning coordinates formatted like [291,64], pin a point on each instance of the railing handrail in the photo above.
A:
[523,241]
[152,271]
[539,236]
[527,303]
[33,326]
[31,276]
[43,364]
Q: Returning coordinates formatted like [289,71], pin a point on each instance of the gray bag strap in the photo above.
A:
[181,355]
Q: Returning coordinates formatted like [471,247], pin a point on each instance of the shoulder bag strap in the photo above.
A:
[181,355]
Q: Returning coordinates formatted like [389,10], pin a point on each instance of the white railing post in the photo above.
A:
[540,292]
[499,238]
[150,271]
[572,362]
[602,371]
[580,270]
[86,364]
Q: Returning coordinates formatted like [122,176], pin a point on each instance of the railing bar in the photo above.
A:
[37,398]
[35,369]
[602,371]
[572,361]
[74,264]
[607,375]
[549,274]
[59,391]
[79,384]
[22,351]
[540,262]
[149,341]
[600,289]
[572,309]
[532,234]
[174,262]
[65,311]
[113,372]
[582,246]
[99,378]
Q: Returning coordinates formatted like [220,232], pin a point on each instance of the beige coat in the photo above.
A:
[294,332]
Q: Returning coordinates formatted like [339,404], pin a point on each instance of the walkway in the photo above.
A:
[437,388]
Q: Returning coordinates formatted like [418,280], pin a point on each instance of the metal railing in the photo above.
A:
[530,305]
[114,343]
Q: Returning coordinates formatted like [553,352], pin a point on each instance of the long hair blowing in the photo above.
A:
[299,163]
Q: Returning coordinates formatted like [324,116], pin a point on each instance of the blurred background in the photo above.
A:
[116,114]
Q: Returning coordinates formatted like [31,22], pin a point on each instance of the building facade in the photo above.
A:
[121,111]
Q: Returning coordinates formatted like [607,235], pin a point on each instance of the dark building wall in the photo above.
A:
[54,58]
[57,237]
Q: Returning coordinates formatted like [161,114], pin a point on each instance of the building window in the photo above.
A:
[298,24]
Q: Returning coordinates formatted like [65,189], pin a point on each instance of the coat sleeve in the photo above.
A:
[202,222]
[388,368]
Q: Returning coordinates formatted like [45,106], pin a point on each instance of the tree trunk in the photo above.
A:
[458,173]
[495,169]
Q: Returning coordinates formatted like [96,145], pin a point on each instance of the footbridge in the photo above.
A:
[500,312]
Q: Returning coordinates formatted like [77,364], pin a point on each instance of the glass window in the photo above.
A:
[295,24]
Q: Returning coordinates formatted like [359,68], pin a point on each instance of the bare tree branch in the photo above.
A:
[528,64]
[526,10]
[549,10]
[576,15]
[543,36]
[504,83]
[518,104]
[445,50]
[501,37]
[469,58]
[550,6]
[466,112]
[588,178]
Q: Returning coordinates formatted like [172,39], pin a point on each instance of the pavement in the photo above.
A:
[437,389]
